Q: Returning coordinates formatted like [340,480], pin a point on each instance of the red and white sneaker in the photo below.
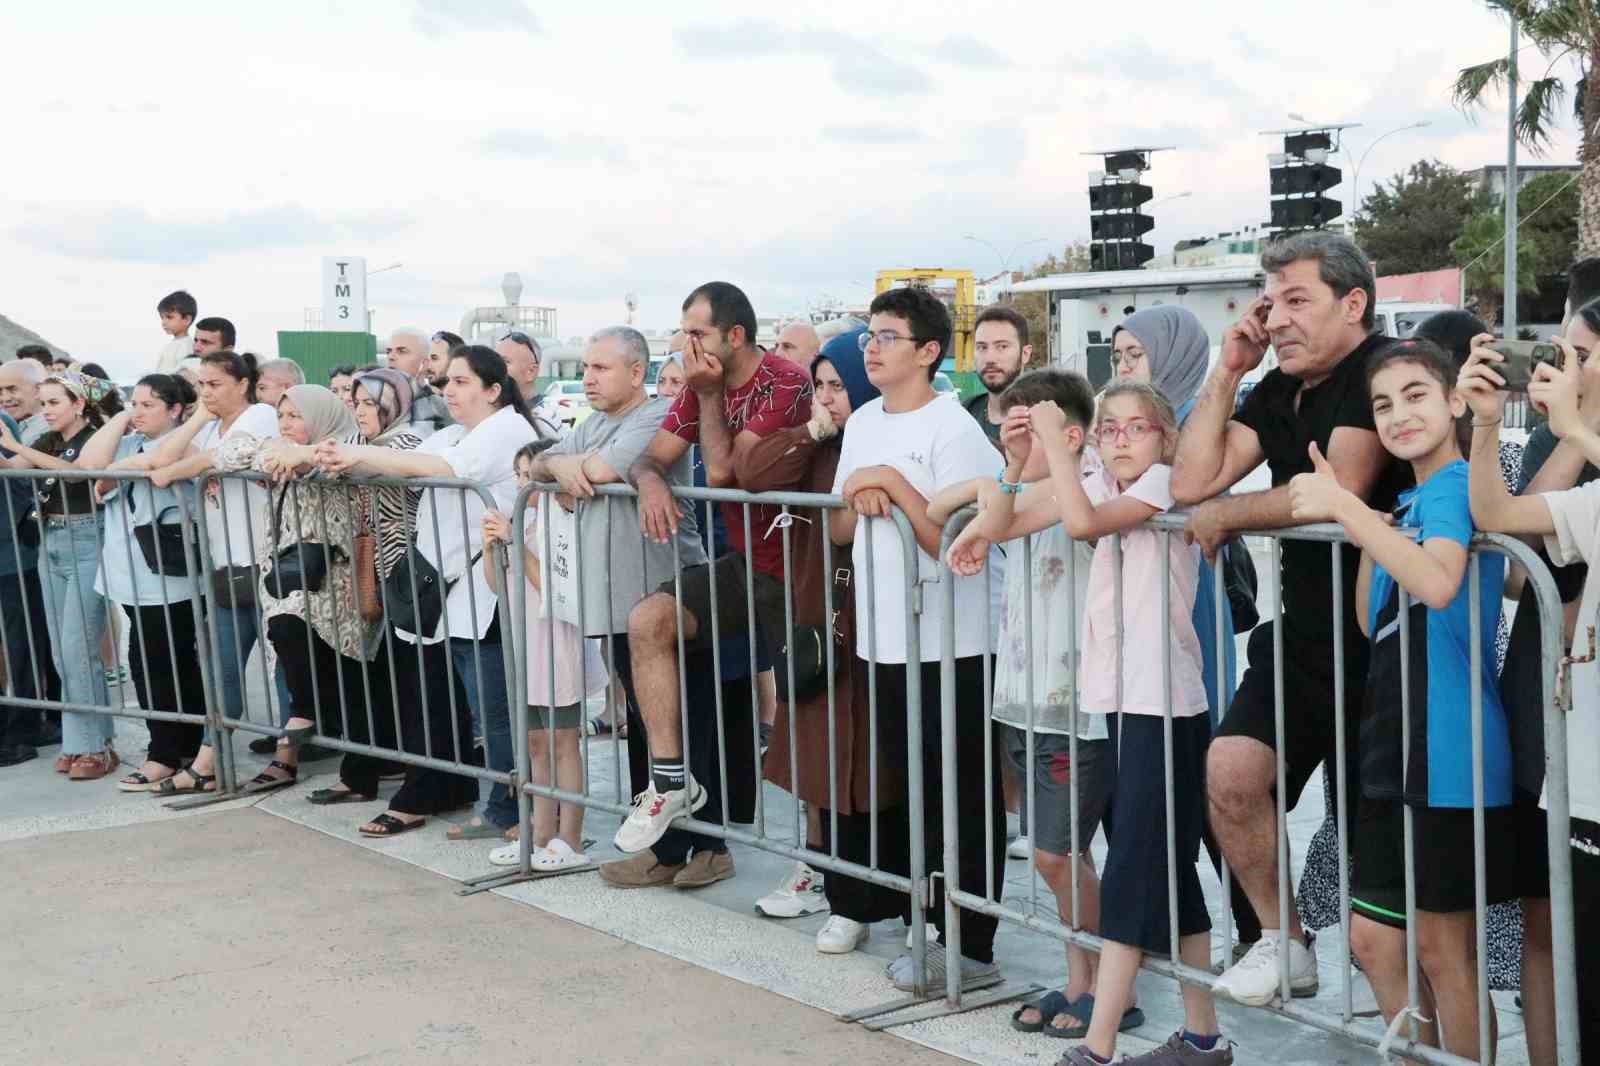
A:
[653,812]
[797,895]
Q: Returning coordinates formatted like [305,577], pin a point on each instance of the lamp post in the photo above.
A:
[1005,261]
[1355,179]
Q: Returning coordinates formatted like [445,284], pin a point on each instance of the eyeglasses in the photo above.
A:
[884,337]
[1127,358]
[1135,430]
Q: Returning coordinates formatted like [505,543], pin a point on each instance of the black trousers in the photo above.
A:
[163,656]
[337,693]
[434,718]
[975,863]
[704,757]
[851,897]
[28,664]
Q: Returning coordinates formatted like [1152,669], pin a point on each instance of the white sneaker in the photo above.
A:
[932,935]
[558,855]
[798,894]
[841,936]
[1019,848]
[1253,980]
[653,812]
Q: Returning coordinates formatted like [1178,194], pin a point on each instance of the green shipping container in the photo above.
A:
[319,351]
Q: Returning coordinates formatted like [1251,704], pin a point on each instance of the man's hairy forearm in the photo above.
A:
[716,443]
[1270,509]
[1201,445]
[645,467]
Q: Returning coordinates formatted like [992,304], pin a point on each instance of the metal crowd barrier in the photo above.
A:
[701,504]
[87,614]
[1344,1022]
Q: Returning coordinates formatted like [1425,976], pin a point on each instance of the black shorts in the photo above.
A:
[1586,926]
[732,576]
[1442,848]
[1134,883]
[1308,712]
[1531,826]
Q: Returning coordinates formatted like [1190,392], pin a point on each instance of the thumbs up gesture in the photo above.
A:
[1318,496]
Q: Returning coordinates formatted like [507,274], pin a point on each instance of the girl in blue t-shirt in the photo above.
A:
[1417,745]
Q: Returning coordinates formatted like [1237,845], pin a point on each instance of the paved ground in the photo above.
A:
[240,937]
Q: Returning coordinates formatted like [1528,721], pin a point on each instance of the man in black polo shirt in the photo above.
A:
[1000,350]
[1316,314]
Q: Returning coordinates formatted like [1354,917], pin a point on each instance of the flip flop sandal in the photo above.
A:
[1080,1010]
[327,797]
[266,782]
[1048,1005]
[475,831]
[1132,1018]
[387,825]
[168,786]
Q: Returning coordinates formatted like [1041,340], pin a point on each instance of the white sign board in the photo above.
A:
[344,293]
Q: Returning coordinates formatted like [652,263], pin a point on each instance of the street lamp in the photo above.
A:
[1005,260]
[1355,179]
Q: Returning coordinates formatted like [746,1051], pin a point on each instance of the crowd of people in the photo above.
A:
[1104,647]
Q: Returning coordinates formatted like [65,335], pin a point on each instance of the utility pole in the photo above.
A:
[1509,285]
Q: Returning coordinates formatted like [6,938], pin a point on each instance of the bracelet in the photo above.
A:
[1485,425]
[1008,488]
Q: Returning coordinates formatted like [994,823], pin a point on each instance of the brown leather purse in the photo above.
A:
[368,601]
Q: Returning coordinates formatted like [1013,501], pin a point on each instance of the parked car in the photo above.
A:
[568,400]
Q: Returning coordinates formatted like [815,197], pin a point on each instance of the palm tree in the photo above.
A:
[1558,28]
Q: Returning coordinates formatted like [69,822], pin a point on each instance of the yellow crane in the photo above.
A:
[956,289]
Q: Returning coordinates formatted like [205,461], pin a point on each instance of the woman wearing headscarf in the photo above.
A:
[1168,348]
[802,763]
[315,627]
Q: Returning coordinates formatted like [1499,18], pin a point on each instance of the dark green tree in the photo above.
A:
[1408,224]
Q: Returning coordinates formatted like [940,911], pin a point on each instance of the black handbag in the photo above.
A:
[414,593]
[234,587]
[302,566]
[164,546]
[807,656]
[1239,581]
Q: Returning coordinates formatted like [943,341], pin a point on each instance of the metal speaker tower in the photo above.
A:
[1117,223]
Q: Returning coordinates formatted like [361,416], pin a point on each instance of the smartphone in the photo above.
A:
[1521,359]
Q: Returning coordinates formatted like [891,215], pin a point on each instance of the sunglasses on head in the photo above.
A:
[521,338]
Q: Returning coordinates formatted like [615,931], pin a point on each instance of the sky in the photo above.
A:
[601,150]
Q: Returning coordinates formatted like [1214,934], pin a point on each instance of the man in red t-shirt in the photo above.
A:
[735,395]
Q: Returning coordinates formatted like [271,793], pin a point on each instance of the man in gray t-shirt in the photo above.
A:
[600,450]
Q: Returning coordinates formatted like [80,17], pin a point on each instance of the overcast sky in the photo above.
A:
[606,148]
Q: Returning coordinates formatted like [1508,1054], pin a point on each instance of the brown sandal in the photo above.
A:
[93,767]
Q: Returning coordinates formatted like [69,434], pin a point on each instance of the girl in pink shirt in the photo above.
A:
[1123,675]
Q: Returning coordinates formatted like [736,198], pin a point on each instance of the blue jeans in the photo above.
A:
[76,614]
[236,636]
[491,718]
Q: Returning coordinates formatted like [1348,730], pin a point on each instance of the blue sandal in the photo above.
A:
[1050,1006]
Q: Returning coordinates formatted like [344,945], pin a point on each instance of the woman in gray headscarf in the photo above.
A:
[320,636]
[1167,347]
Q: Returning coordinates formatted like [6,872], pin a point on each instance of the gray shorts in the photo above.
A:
[568,717]
[1051,803]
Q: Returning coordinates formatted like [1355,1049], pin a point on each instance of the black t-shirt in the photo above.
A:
[64,494]
[1286,431]
[1522,680]
[978,408]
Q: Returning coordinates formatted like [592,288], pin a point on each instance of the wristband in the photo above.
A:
[1008,488]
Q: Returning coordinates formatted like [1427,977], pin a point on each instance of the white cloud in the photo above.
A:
[442,16]
[132,234]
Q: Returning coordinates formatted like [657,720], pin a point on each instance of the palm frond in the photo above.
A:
[1472,82]
[1537,113]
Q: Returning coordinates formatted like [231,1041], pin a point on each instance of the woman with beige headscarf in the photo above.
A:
[323,644]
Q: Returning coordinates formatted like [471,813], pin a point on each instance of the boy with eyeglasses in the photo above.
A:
[899,452]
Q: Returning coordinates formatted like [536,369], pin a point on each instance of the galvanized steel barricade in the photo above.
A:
[1400,1039]
[379,705]
[138,545]
[577,566]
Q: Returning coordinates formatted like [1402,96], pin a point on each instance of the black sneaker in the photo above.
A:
[12,754]
[264,745]
[49,734]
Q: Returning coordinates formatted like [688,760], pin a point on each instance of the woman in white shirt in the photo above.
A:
[223,434]
[162,620]
[492,423]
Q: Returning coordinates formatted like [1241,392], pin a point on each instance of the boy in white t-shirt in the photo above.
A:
[1569,521]
[1046,588]
[898,452]
[177,311]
